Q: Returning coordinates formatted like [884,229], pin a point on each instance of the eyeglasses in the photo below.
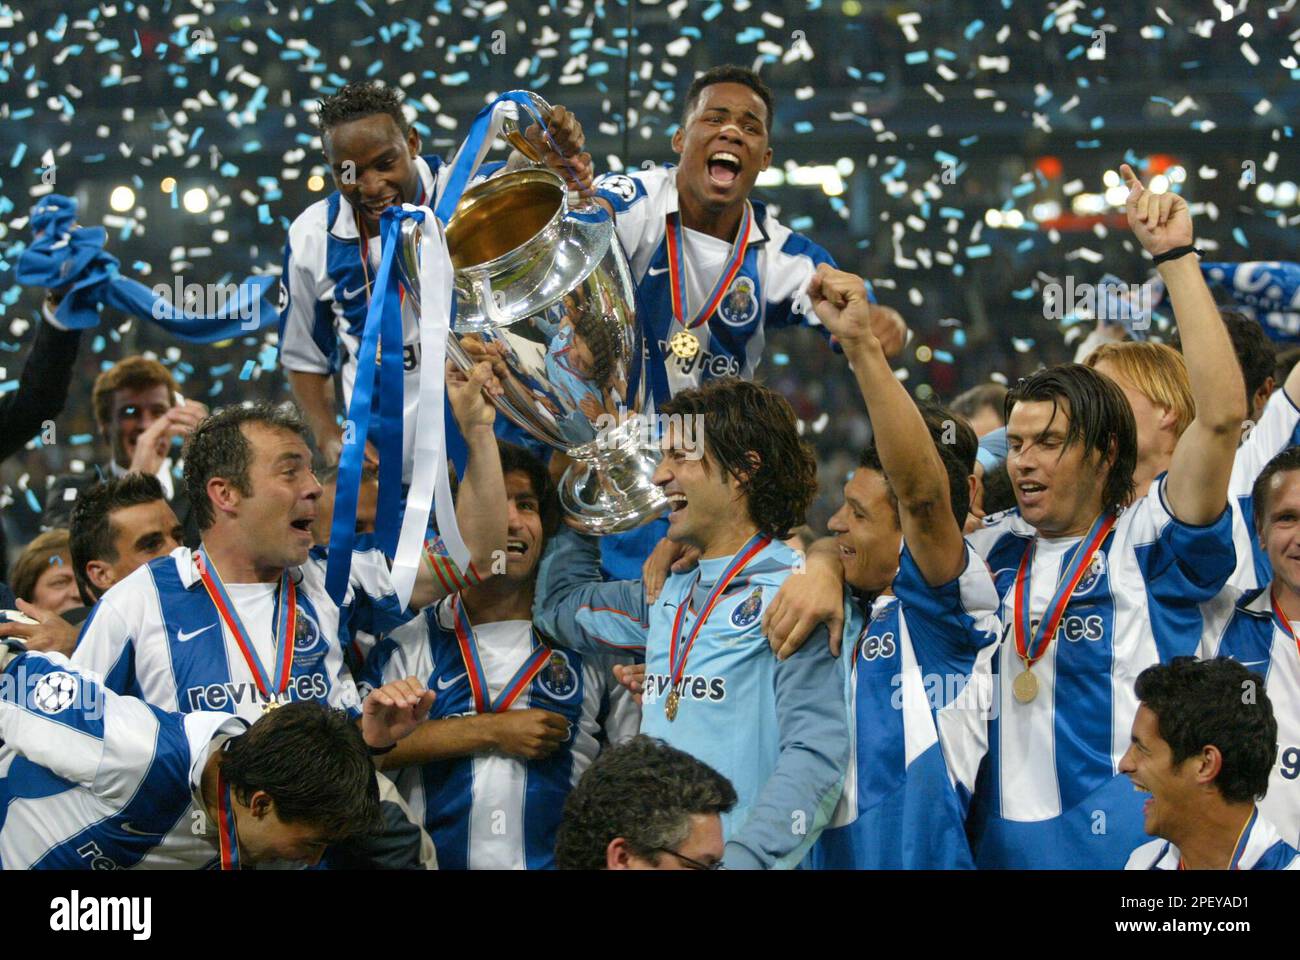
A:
[691,864]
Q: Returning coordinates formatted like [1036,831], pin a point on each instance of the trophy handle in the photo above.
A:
[483,288]
[512,130]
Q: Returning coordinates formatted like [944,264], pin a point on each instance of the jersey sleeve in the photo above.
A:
[63,719]
[621,717]
[786,284]
[374,607]
[951,623]
[627,195]
[389,660]
[1278,428]
[106,648]
[1182,564]
[308,338]
[796,802]
[580,611]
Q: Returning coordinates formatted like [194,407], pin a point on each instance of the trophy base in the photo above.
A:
[612,491]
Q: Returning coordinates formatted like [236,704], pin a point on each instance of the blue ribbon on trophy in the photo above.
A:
[399,532]
[73,261]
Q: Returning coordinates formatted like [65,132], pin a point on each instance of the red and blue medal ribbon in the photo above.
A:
[1031,645]
[676,665]
[1242,839]
[286,625]
[227,838]
[478,685]
[677,269]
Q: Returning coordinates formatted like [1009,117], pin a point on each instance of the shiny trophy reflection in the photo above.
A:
[545,286]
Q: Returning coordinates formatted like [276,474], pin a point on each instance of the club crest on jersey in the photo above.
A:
[306,637]
[1096,569]
[558,677]
[55,692]
[740,305]
[749,609]
[622,186]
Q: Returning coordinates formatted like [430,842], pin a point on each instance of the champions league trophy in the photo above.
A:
[543,282]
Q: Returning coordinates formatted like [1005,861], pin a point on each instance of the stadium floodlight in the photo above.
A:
[122,199]
[195,200]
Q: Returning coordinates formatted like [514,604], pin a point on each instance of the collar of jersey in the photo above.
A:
[1258,601]
[757,232]
[228,728]
[189,572]
[344,226]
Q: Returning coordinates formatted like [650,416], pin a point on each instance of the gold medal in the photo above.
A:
[271,705]
[670,705]
[684,344]
[1025,687]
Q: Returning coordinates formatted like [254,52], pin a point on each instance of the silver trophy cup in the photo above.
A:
[545,286]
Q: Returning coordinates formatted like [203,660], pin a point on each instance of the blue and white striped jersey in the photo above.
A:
[157,635]
[777,729]
[1278,428]
[1264,850]
[98,781]
[767,292]
[920,690]
[493,811]
[1245,628]
[326,295]
[1050,794]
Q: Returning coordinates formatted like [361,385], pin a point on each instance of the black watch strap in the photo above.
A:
[1177,252]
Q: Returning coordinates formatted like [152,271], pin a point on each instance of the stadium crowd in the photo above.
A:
[1050,625]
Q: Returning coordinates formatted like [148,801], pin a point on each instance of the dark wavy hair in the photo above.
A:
[743,420]
[643,791]
[313,763]
[1098,415]
[358,99]
[1217,702]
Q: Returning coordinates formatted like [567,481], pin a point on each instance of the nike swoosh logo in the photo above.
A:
[447,684]
[353,294]
[654,272]
[127,828]
[184,637]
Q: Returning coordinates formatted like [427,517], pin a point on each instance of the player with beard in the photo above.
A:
[1096,585]
[920,677]
[777,729]
[333,249]
[517,720]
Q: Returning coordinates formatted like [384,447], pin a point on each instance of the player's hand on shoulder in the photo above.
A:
[810,596]
[529,734]
[392,711]
[667,557]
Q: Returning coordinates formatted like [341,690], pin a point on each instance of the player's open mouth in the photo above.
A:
[1030,492]
[676,502]
[302,525]
[724,168]
[1141,788]
[517,547]
[377,207]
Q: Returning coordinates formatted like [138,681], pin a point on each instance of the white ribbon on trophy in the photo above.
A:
[430,485]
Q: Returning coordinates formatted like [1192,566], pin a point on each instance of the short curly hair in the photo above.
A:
[742,419]
[358,99]
[1217,702]
[643,791]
